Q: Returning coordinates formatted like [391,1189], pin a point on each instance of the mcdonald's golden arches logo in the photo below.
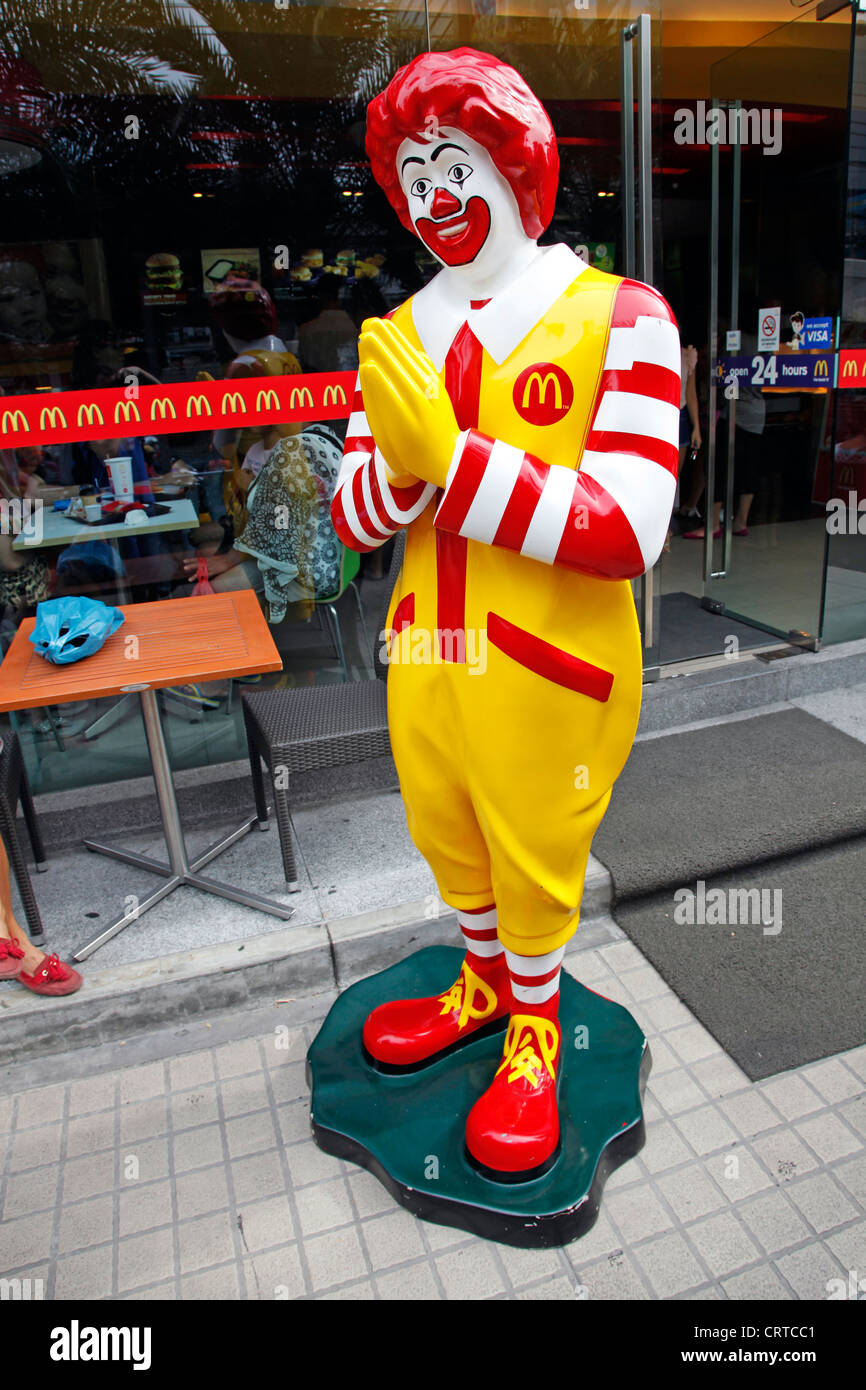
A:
[88,413]
[232,401]
[333,394]
[302,394]
[15,420]
[822,371]
[127,409]
[161,406]
[543,394]
[49,414]
[267,400]
[850,367]
[198,405]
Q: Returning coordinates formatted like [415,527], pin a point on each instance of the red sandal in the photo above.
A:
[53,977]
[10,956]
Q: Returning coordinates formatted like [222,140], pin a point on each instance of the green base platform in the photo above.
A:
[408,1130]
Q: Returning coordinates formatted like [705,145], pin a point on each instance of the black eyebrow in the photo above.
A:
[411,159]
[440,148]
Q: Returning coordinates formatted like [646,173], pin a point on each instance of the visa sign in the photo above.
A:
[817,333]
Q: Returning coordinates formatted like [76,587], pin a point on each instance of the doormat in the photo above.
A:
[738,857]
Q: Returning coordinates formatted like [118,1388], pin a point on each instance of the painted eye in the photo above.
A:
[459,173]
[421,187]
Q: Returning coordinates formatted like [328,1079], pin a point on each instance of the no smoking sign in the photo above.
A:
[769,327]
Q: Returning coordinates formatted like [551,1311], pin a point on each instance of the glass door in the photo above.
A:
[775,128]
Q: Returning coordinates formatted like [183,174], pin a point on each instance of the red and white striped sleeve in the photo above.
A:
[367,509]
[609,518]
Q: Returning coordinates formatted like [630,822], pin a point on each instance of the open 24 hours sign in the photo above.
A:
[779,371]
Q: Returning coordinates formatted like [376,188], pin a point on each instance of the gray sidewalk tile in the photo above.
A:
[33,1148]
[145,1259]
[323,1206]
[791,1096]
[294,1121]
[205,1241]
[854,1114]
[95,1093]
[722,1244]
[822,1202]
[308,1164]
[471,1272]
[143,1206]
[760,1283]
[29,1192]
[259,1176]
[738,1174]
[335,1258]
[670,1265]
[83,1224]
[559,1290]
[784,1155]
[706,1129]
[238,1058]
[369,1196]
[89,1133]
[250,1134]
[88,1176]
[690,1192]
[244,1094]
[829,1137]
[853,1176]
[391,1239]
[749,1113]
[201,1191]
[195,1148]
[676,1091]
[141,1120]
[718,1075]
[196,1069]
[832,1080]
[85,1275]
[809,1271]
[359,1292]
[664,1149]
[263,1225]
[692,1043]
[193,1108]
[40,1107]
[219,1285]
[612,1278]
[415,1281]
[773,1222]
[277,1274]
[849,1247]
[637,1213]
[141,1083]
[528,1266]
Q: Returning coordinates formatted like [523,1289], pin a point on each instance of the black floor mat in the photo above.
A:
[774,804]
[687,630]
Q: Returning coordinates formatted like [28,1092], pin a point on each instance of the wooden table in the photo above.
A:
[173,642]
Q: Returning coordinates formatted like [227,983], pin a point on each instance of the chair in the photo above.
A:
[349,566]
[303,730]
[14,787]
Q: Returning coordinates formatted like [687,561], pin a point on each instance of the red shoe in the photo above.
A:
[698,535]
[406,1033]
[10,956]
[512,1132]
[53,977]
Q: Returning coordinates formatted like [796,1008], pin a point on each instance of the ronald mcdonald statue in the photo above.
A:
[519,417]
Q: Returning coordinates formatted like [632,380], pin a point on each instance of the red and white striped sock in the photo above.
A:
[478,929]
[535,981]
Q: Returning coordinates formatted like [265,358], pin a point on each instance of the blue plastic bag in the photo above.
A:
[68,629]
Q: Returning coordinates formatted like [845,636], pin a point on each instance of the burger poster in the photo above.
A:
[242,263]
[164,280]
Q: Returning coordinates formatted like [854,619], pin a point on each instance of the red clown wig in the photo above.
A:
[476,93]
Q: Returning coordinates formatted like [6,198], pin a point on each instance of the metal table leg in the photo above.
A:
[178,871]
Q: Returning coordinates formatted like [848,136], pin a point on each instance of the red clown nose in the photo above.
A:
[444,204]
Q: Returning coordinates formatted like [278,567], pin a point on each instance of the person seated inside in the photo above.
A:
[288,550]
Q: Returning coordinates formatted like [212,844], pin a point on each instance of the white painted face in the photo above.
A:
[460,204]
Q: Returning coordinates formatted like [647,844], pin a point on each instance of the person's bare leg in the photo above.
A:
[9,927]
[741,520]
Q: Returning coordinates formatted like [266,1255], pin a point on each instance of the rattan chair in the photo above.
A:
[303,730]
[14,787]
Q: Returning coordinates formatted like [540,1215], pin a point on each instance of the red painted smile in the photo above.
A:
[457,240]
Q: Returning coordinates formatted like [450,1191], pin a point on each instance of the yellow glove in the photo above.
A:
[410,415]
